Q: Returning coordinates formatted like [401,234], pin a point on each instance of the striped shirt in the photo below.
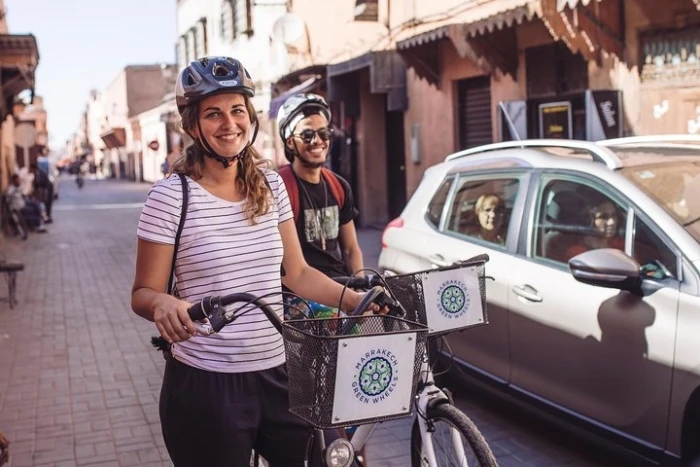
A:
[222,252]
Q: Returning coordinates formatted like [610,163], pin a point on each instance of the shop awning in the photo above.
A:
[480,31]
[562,4]
[420,51]
[114,137]
[19,57]
[387,74]
[584,28]
[309,85]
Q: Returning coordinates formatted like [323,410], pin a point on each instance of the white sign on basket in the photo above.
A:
[452,299]
[374,377]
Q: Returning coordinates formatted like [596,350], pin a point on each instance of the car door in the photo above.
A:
[604,354]
[483,216]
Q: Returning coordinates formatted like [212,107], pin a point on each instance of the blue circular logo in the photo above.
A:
[453,299]
[375,376]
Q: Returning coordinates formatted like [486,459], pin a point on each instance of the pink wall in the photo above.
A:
[371,151]
[435,109]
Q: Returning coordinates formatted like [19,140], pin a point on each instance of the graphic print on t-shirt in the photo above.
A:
[325,219]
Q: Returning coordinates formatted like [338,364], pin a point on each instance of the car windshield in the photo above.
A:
[671,176]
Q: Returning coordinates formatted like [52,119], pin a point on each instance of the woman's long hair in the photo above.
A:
[250,179]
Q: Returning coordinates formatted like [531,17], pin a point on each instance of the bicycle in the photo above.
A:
[318,348]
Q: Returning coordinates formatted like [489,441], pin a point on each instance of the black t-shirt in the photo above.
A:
[319,224]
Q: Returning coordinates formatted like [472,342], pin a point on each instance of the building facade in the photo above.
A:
[136,89]
[412,82]
[19,57]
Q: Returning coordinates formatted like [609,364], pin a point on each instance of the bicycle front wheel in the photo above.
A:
[456,441]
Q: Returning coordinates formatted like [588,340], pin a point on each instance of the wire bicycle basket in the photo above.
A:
[446,300]
[353,370]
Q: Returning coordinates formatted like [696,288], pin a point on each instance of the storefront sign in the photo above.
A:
[604,115]
[555,120]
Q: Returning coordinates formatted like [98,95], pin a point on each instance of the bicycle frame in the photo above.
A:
[429,393]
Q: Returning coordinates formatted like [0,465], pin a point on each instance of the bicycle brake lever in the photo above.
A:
[203,329]
[215,313]
[395,308]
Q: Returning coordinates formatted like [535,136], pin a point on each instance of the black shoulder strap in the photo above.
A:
[183,216]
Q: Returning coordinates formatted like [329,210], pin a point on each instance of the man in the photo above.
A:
[43,190]
[322,201]
[30,210]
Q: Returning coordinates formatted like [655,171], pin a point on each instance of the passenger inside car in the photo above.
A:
[576,227]
[604,222]
[490,213]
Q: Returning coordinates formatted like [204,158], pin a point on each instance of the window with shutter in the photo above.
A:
[227,21]
[474,112]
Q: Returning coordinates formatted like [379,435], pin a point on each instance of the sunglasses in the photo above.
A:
[308,135]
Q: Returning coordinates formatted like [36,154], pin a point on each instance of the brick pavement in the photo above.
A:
[79,381]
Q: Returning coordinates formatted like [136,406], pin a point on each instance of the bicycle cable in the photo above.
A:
[376,273]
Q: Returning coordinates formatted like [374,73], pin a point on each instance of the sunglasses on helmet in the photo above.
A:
[307,136]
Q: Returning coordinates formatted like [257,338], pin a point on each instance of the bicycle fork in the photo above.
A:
[429,396]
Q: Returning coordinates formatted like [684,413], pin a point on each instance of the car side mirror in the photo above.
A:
[607,267]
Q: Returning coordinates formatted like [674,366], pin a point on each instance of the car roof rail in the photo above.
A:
[597,152]
[632,140]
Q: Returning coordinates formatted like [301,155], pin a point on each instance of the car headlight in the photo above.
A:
[340,453]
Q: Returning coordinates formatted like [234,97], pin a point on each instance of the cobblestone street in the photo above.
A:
[79,380]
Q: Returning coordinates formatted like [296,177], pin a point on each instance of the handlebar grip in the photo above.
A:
[196,312]
[484,257]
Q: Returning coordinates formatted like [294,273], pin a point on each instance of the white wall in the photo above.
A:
[153,129]
[264,59]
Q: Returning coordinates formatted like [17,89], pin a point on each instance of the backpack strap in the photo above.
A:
[181,224]
[336,187]
[290,182]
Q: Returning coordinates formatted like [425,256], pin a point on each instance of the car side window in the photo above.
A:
[481,208]
[437,204]
[574,218]
[657,260]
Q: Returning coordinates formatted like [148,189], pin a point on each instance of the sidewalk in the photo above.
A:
[79,381]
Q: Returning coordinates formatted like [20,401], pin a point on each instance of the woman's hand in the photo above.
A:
[172,320]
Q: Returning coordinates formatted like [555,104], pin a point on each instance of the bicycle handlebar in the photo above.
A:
[213,309]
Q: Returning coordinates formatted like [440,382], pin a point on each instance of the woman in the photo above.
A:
[604,224]
[225,394]
[490,212]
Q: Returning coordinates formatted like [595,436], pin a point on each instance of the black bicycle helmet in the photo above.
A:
[208,76]
[292,112]
[211,75]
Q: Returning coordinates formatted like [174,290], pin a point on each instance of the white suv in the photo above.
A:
[594,306]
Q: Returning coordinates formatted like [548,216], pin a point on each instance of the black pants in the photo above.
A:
[216,419]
